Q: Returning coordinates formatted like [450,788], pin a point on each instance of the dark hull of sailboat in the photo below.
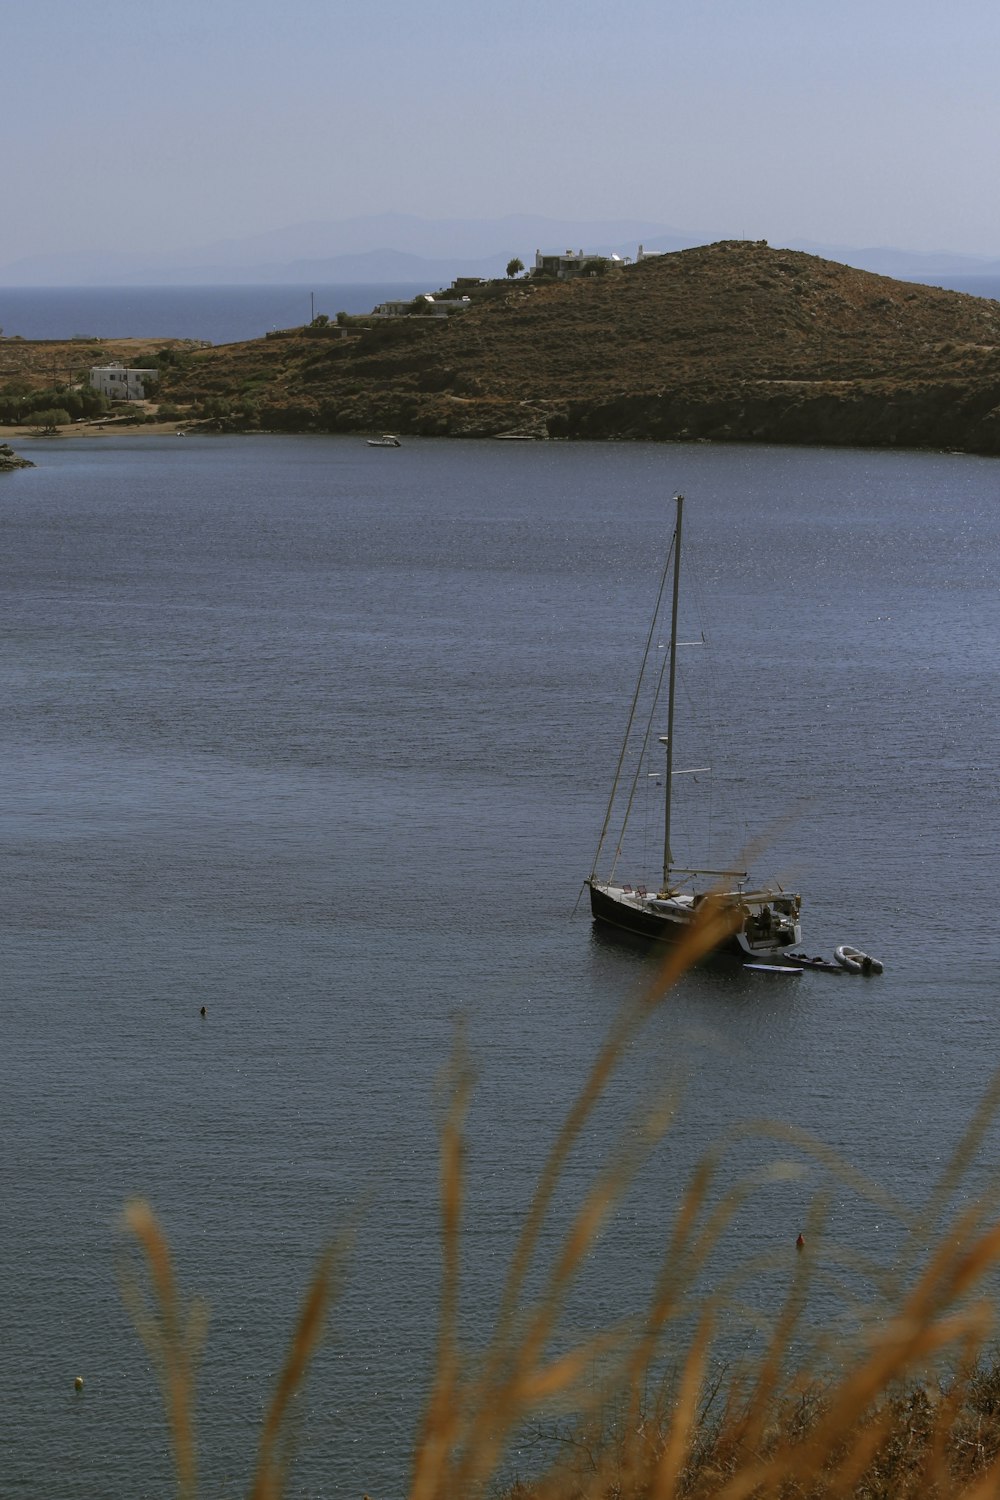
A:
[611,911]
[626,918]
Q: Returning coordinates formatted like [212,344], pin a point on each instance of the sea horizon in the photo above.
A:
[213,313]
[225,314]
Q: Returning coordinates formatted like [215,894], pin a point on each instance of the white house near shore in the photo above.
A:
[121,384]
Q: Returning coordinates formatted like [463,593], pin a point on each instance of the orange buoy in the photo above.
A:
[800,1243]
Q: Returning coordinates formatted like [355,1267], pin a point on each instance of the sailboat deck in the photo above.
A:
[640,897]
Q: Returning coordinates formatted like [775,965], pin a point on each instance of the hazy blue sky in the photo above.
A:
[171,123]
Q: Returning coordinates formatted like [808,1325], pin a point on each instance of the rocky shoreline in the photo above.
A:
[9,460]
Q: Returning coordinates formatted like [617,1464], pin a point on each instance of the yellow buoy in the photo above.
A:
[78,1382]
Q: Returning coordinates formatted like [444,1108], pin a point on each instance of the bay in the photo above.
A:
[319,737]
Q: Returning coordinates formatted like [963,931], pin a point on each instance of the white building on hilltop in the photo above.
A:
[572,263]
[121,384]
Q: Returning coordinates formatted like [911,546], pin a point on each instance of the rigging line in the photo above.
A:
[631,714]
[685,820]
[642,760]
[716,688]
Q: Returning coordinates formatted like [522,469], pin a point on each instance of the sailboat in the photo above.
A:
[765,921]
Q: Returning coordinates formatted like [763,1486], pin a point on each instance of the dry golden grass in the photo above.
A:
[881,1421]
[173,1333]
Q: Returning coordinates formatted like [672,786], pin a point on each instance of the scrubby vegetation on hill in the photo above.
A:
[731,341]
[45,382]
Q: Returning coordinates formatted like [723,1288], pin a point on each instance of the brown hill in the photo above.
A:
[730,341]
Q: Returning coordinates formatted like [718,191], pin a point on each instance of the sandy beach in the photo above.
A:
[23,437]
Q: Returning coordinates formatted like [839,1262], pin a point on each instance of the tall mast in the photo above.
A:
[667,857]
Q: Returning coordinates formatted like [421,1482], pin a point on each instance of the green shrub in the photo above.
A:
[54,416]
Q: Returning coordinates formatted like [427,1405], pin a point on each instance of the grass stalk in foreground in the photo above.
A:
[877,1423]
[172,1334]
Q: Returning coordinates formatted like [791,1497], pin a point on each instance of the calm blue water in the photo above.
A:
[216,314]
[224,314]
[320,737]
[974,286]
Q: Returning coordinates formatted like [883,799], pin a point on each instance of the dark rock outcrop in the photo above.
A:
[11,460]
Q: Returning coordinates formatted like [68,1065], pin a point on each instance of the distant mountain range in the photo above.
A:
[425,252]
